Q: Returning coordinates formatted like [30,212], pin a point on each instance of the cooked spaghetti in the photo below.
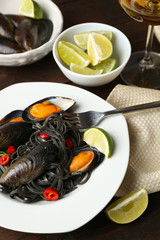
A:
[57,175]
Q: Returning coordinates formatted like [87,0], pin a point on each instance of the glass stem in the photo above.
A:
[146,62]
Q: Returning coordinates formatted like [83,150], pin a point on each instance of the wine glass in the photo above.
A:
[143,68]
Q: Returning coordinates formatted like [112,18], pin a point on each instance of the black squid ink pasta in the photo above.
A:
[57,174]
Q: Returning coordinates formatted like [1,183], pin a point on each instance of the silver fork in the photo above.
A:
[92,118]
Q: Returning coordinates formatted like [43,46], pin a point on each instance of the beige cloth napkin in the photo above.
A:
[144,133]
[157,32]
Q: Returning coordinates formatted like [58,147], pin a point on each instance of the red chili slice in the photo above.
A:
[44,136]
[4,160]
[69,143]
[50,194]
[11,150]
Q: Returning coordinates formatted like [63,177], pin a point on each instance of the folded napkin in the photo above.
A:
[144,133]
[157,32]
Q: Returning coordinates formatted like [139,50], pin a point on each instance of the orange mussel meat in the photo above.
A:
[18,119]
[43,110]
[81,161]
[85,158]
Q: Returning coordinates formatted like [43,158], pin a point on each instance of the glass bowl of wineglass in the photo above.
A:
[143,68]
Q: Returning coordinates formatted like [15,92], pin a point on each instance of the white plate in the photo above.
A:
[83,204]
[52,12]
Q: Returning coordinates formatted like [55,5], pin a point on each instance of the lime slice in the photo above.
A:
[71,53]
[99,48]
[107,65]
[100,139]
[84,70]
[107,34]
[129,207]
[81,39]
[30,8]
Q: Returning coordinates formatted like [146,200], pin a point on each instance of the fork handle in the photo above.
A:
[133,108]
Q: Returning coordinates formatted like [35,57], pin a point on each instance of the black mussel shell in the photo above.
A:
[6,27]
[32,33]
[15,133]
[16,19]
[63,102]
[8,46]
[21,33]
[98,157]
[29,166]
[12,115]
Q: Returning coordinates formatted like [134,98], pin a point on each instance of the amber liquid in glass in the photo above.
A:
[145,11]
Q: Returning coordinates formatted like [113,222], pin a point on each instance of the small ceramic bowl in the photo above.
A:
[121,51]
[52,12]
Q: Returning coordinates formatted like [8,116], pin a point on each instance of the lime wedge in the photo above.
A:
[30,8]
[129,207]
[84,70]
[107,65]
[70,53]
[107,34]
[81,39]
[100,139]
[99,48]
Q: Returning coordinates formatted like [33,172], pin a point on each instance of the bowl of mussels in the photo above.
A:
[25,39]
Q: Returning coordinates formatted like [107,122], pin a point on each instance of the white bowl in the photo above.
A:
[52,12]
[121,51]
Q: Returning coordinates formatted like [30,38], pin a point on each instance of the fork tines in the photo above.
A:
[73,118]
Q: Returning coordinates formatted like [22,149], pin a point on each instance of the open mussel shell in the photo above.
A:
[63,102]
[85,158]
[10,116]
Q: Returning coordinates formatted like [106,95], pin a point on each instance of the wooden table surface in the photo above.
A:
[75,12]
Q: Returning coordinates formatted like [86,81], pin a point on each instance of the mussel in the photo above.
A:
[8,46]
[43,108]
[14,133]
[85,158]
[32,33]
[14,116]
[29,166]
[21,33]
[16,19]
[6,27]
